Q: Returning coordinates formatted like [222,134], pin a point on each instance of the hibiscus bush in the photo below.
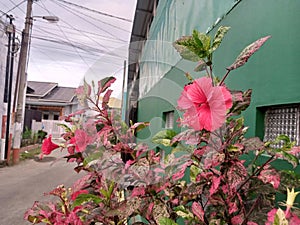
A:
[213,174]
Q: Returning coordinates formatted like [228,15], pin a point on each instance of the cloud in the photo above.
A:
[82,44]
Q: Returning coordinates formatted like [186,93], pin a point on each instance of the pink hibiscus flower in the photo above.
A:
[48,146]
[205,106]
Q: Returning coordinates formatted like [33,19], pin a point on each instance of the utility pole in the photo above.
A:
[22,83]
[8,85]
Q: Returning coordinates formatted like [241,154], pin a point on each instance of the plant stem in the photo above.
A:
[251,210]
[256,172]
[225,76]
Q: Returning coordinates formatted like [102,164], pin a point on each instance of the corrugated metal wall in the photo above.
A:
[170,23]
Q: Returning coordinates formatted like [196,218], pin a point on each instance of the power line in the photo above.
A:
[84,34]
[79,46]
[67,52]
[15,5]
[91,17]
[83,31]
[90,22]
[78,33]
[95,11]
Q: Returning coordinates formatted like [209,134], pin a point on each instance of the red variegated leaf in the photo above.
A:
[178,175]
[83,92]
[270,176]
[138,191]
[237,220]
[105,99]
[198,211]
[149,210]
[294,150]
[215,185]
[82,140]
[233,207]
[247,53]
[104,84]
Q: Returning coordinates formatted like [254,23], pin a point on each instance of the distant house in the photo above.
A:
[46,101]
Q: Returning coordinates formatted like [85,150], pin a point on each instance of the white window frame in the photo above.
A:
[169,119]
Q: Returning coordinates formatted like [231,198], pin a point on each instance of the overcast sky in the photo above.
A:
[83,44]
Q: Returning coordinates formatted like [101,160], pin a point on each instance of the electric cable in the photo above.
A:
[15,5]
[91,17]
[95,11]
[88,37]
[91,22]
[79,31]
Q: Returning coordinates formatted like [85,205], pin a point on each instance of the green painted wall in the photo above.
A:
[272,72]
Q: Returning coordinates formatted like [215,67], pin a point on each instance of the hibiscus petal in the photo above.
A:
[199,90]
[227,97]
[184,102]
[218,109]
[48,146]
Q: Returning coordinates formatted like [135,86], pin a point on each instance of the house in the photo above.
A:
[46,102]
[156,71]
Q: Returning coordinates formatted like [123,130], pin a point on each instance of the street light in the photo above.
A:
[50,19]
[22,77]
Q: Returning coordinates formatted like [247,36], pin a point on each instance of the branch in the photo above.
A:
[255,173]
[225,76]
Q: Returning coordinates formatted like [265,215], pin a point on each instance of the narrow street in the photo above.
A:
[22,184]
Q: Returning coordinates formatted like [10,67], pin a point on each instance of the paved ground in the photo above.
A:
[25,183]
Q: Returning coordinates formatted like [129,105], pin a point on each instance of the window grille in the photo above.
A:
[169,119]
[282,120]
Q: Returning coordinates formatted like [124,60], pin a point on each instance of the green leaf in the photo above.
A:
[288,157]
[184,47]
[166,221]
[183,212]
[82,198]
[280,218]
[139,126]
[197,40]
[137,220]
[218,38]
[164,137]
[193,47]
[91,157]
[287,144]
[194,171]
[239,123]
[65,127]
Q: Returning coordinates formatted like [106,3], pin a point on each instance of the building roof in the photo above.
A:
[48,92]
[40,89]
[61,94]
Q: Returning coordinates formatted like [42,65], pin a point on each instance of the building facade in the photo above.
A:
[156,71]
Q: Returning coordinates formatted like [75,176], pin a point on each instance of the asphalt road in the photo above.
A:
[22,184]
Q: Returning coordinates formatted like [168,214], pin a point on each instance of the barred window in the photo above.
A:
[282,120]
